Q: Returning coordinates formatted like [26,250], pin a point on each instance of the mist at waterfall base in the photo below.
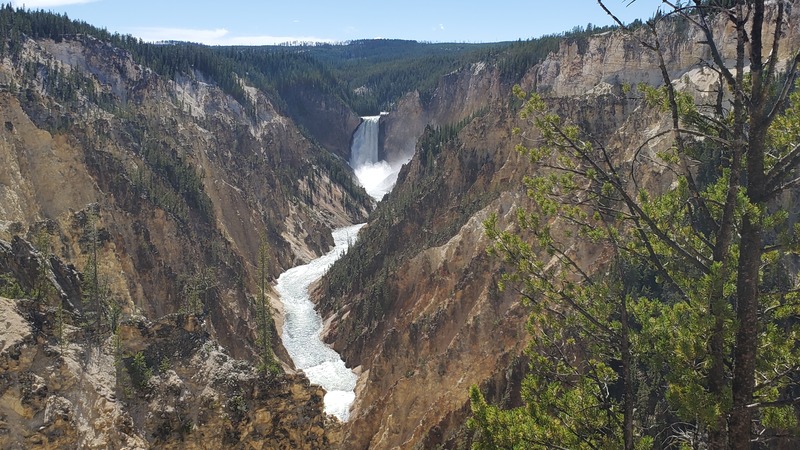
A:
[303,326]
[376,176]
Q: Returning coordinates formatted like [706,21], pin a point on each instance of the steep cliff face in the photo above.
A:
[427,320]
[183,179]
[165,187]
[467,91]
[611,59]
[329,120]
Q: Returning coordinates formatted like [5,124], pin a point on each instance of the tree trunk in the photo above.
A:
[746,336]
[627,375]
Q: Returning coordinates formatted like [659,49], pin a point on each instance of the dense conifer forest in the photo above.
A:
[368,75]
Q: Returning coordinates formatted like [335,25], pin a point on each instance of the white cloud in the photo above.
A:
[219,36]
[178,34]
[35,4]
[441,26]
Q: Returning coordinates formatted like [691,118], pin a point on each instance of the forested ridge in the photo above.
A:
[368,75]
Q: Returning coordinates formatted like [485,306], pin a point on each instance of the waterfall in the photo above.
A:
[364,149]
[376,176]
[303,325]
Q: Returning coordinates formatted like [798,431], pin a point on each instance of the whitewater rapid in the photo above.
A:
[303,326]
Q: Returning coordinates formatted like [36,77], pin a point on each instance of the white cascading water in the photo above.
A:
[303,326]
[376,176]
[365,142]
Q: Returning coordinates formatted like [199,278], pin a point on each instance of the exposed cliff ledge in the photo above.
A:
[613,58]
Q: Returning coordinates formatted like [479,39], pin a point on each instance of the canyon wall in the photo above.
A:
[181,179]
[174,183]
[415,305]
[166,187]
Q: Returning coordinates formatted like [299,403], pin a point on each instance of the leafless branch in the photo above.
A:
[782,168]
[783,97]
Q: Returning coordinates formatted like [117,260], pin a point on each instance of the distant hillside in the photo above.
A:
[367,75]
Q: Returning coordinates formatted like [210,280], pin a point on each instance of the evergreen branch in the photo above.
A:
[693,258]
[656,261]
[776,378]
[787,185]
[705,214]
[775,404]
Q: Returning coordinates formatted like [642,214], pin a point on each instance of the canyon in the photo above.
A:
[168,187]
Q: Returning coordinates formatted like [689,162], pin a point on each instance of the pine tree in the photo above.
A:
[91,284]
[43,288]
[695,306]
[264,321]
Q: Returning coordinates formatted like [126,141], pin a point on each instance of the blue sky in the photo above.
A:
[268,21]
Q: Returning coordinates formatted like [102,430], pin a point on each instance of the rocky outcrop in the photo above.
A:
[612,58]
[467,91]
[151,385]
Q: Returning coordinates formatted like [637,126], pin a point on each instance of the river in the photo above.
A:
[303,326]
